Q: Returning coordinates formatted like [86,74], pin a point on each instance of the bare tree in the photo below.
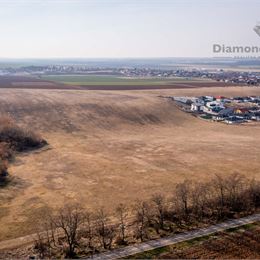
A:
[201,200]
[219,184]
[254,191]
[42,246]
[69,220]
[183,197]
[122,214]
[105,231]
[88,231]
[141,220]
[160,208]
[235,185]
[46,242]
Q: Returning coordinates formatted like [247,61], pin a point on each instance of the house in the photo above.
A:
[184,100]
[217,109]
[196,107]
[255,116]
[226,112]
[238,99]
[206,98]
[234,120]
[220,98]
[212,104]
[241,111]
[218,118]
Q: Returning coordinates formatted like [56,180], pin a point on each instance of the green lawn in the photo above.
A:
[114,80]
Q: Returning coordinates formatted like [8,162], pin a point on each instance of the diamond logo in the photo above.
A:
[257,29]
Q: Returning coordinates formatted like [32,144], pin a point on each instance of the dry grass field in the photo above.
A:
[108,147]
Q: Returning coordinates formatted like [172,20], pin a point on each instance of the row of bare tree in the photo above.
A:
[73,231]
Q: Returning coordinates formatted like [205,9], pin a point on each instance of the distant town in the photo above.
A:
[232,110]
[221,75]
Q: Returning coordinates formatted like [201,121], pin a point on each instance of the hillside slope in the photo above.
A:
[111,147]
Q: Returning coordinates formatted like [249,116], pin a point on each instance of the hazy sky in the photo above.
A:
[124,28]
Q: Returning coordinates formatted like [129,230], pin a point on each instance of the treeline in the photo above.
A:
[14,139]
[72,231]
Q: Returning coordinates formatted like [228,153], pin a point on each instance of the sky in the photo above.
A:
[124,28]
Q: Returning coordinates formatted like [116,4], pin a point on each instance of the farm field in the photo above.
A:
[107,147]
[102,83]
[116,80]
[26,82]
[239,243]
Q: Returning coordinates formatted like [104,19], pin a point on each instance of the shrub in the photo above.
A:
[14,138]
[3,171]
[17,138]
[6,153]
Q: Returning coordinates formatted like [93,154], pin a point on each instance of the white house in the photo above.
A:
[196,106]
[213,104]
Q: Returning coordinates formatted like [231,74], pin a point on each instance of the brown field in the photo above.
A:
[29,82]
[108,147]
[241,243]
[181,85]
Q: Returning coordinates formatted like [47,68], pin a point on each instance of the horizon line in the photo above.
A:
[114,58]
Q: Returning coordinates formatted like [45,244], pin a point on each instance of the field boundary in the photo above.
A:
[162,242]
